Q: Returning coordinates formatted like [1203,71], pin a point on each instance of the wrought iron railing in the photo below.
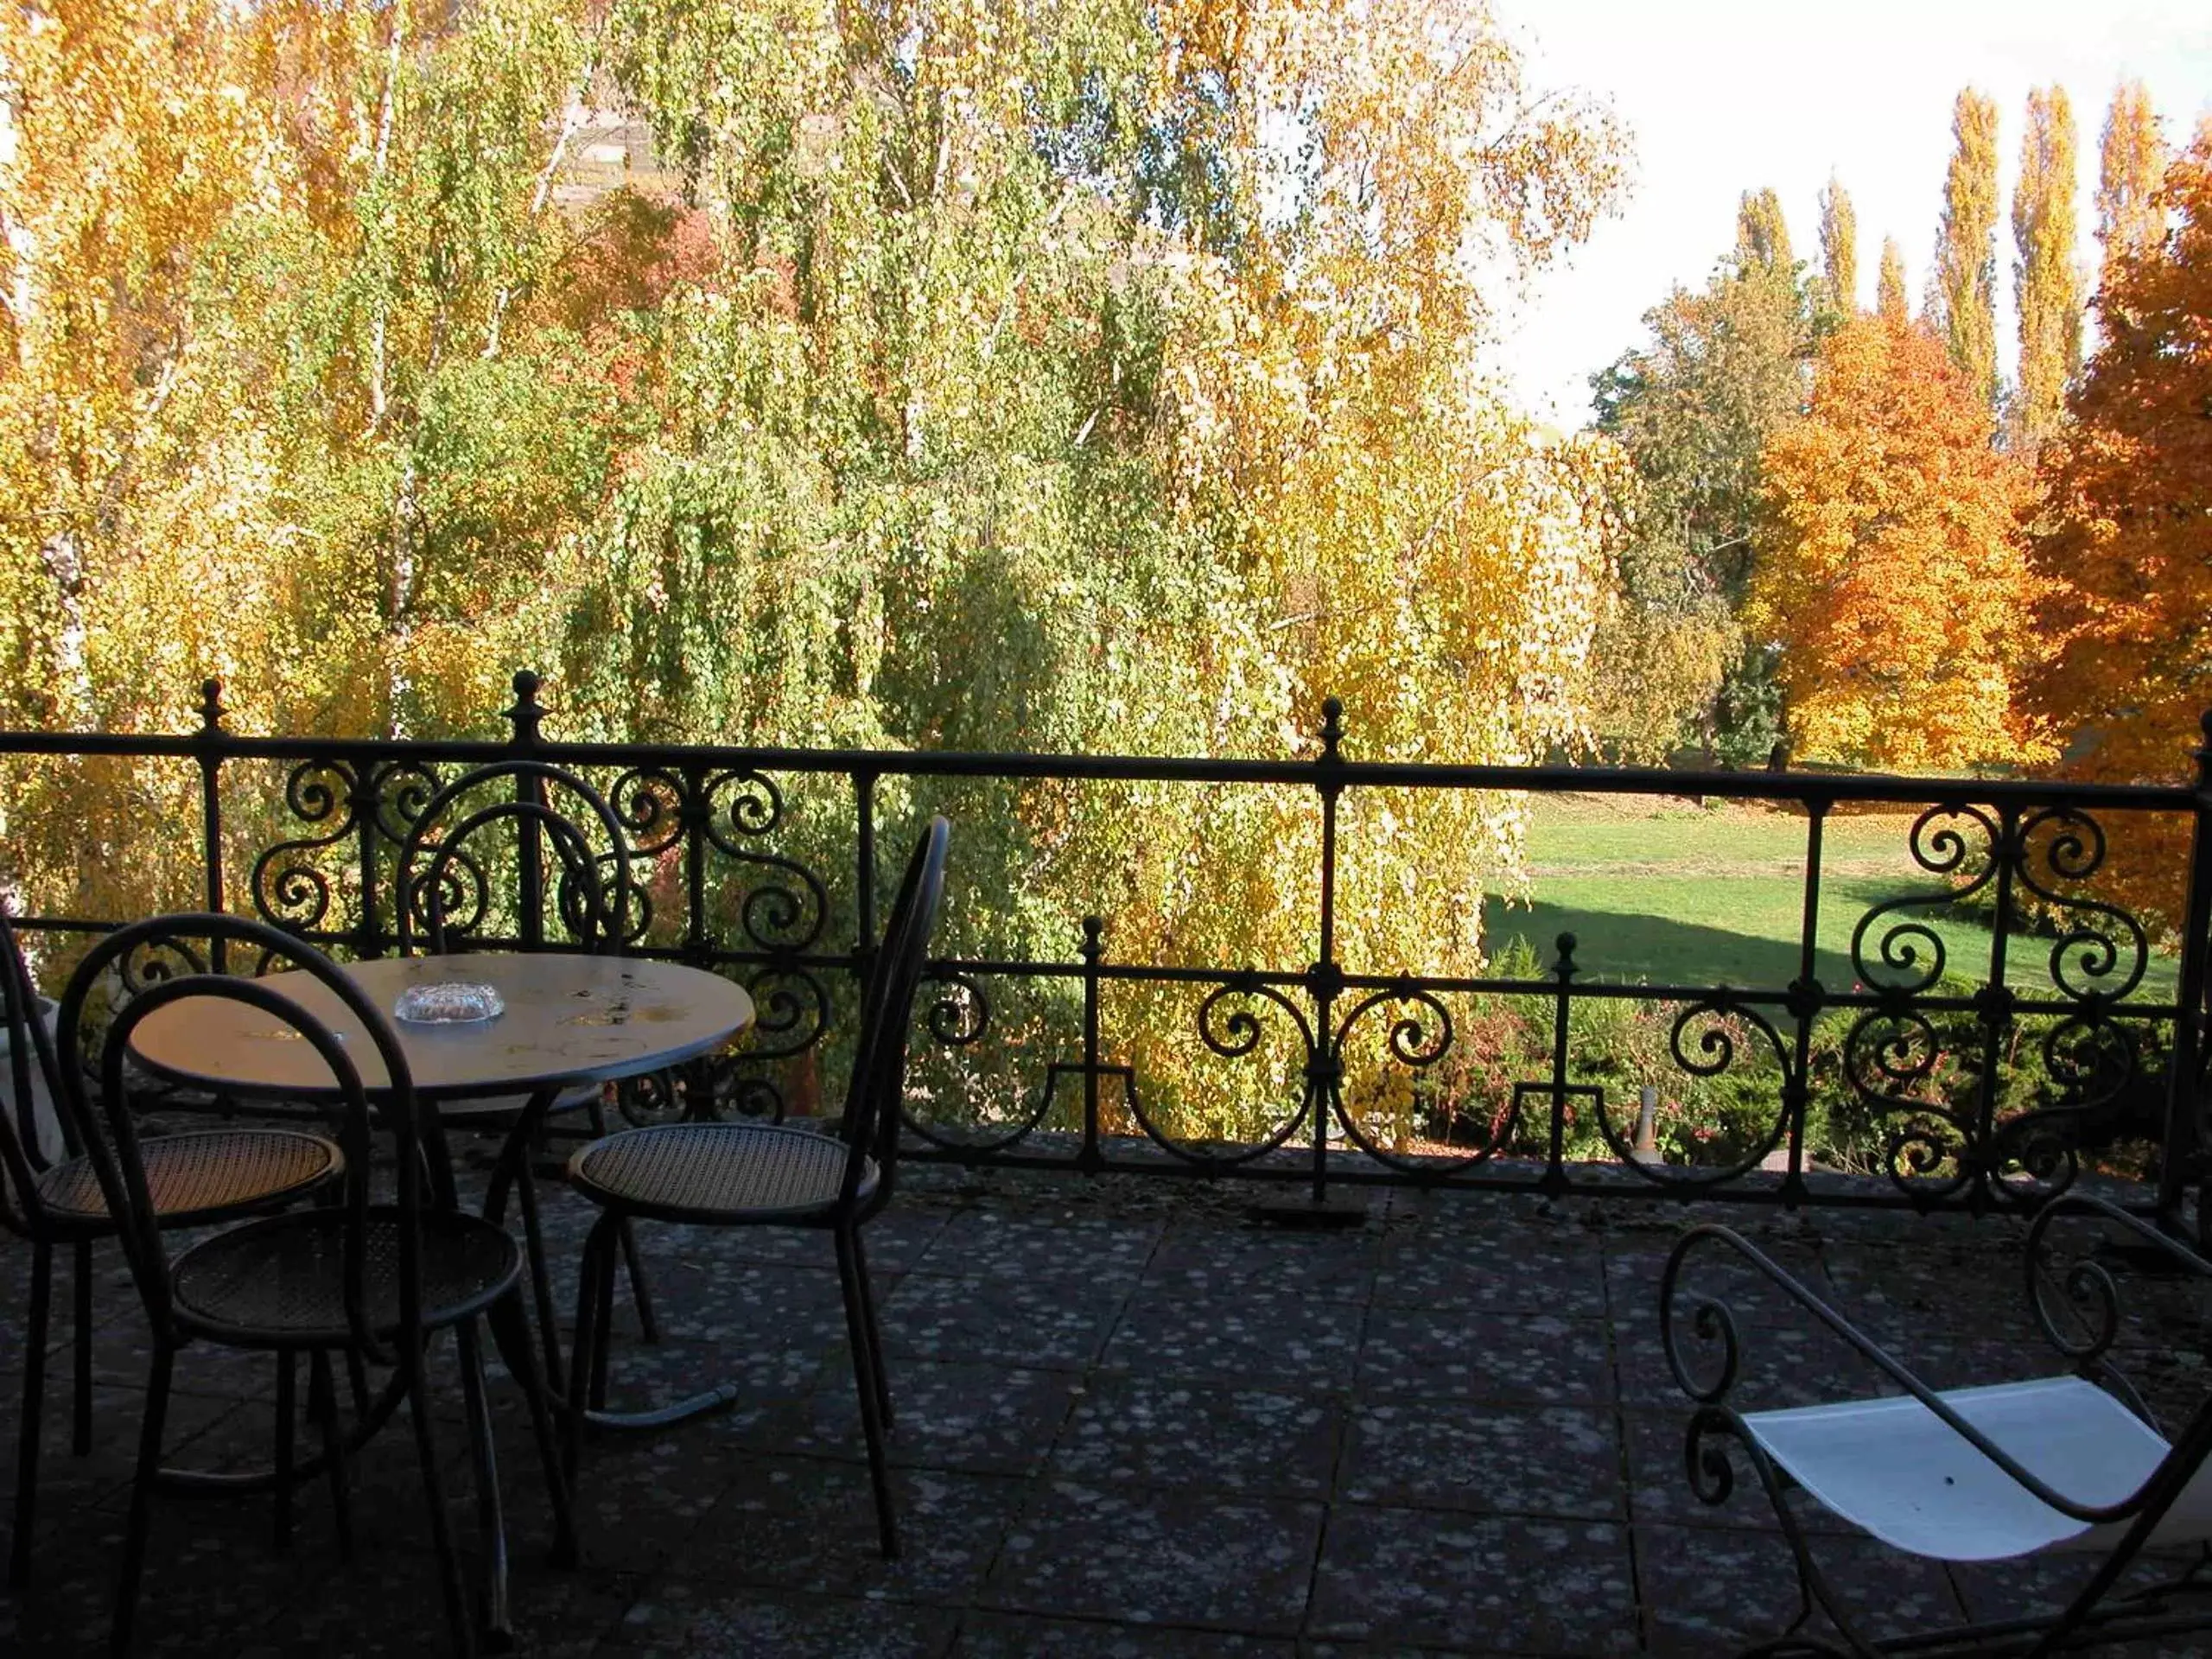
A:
[1925,1059]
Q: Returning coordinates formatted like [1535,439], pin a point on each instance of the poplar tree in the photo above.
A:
[2131,164]
[2047,282]
[1839,249]
[1762,232]
[1965,245]
[1890,303]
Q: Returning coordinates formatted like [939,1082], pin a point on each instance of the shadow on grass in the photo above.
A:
[1622,948]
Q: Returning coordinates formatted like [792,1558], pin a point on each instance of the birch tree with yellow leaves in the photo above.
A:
[1106,376]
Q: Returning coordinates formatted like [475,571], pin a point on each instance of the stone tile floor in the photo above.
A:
[1132,1424]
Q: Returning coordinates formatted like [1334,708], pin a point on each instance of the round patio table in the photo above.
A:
[568,1020]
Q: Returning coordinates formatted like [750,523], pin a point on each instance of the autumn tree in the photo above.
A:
[437,430]
[1889,301]
[1109,376]
[1965,246]
[2129,489]
[1723,371]
[1889,562]
[1034,330]
[2047,283]
[1839,251]
[125,165]
[1692,408]
[2131,161]
[277,418]
[1762,231]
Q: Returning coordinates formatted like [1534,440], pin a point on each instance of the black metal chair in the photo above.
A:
[523,854]
[709,1175]
[2006,1471]
[57,1203]
[367,1279]
[494,845]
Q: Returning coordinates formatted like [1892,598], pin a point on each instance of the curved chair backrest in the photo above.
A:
[447,862]
[870,1124]
[30,1072]
[108,1129]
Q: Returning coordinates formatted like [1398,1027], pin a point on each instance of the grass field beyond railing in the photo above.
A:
[1680,894]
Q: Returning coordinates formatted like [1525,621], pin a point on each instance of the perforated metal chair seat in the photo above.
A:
[282,1282]
[717,1172]
[200,1175]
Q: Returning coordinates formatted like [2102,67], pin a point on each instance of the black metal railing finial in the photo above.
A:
[1332,727]
[210,708]
[527,713]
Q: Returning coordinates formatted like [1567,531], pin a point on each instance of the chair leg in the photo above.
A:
[357,1383]
[483,1454]
[874,1333]
[565,1553]
[641,1295]
[864,1361]
[579,1349]
[322,1406]
[81,1437]
[434,1490]
[27,1430]
[541,1279]
[287,1416]
[150,1427]
[602,1347]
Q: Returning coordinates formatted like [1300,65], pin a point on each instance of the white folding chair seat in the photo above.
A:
[1894,1468]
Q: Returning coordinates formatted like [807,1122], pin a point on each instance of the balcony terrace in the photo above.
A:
[1134,1423]
[1135,1419]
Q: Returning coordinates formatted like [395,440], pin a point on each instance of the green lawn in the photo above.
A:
[1671,893]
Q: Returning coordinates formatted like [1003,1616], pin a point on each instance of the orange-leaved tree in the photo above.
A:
[1891,569]
[2129,552]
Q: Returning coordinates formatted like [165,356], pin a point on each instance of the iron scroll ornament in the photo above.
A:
[961,1016]
[2111,958]
[1418,1043]
[787,912]
[791,1014]
[1703,1042]
[289,888]
[957,1017]
[1940,849]
[1895,1054]
[650,803]
[2095,1062]
[1236,1034]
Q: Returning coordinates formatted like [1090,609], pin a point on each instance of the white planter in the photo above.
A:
[44,1123]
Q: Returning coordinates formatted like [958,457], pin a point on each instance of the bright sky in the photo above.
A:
[1724,96]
